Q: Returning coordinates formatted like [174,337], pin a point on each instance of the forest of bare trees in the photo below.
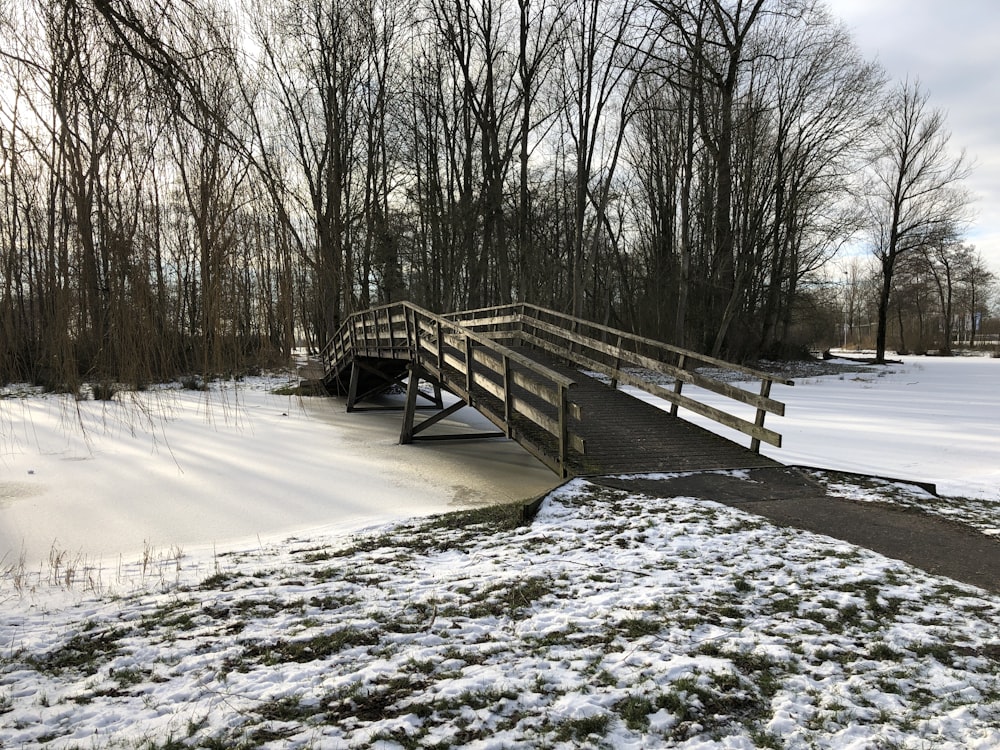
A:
[202,185]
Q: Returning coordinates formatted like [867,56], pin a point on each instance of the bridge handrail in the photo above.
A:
[455,328]
[520,307]
[399,330]
[624,349]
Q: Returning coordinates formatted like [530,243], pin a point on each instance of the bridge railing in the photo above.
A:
[508,388]
[621,356]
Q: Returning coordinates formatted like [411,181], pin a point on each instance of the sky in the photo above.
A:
[951,47]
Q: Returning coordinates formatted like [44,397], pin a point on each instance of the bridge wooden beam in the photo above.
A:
[410,431]
[384,381]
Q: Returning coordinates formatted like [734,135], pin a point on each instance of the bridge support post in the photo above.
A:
[410,429]
[765,392]
[678,383]
[410,409]
[352,390]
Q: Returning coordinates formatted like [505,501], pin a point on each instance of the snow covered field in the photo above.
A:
[614,620]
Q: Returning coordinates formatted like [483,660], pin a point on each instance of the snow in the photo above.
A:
[185,469]
[931,419]
[249,581]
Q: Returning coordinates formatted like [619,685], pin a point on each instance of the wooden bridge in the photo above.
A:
[550,382]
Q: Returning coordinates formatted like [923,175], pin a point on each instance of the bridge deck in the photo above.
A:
[625,434]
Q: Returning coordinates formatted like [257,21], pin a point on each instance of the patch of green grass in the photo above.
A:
[305,388]
[881,651]
[386,700]
[509,598]
[130,676]
[764,739]
[489,519]
[289,709]
[477,700]
[942,652]
[634,711]
[174,614]
[86,652]
[583,729]
[716,701]
[306,650]
[218,581]
[836,655]
[785,604]
[316,556]
[638,627]
[730,612]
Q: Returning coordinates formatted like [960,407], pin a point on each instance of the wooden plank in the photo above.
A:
[639,360]
[490,321]
[521,406]
[624,434]
[721,363]
[741,425]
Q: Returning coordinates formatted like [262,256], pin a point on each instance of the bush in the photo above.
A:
[194,383]
[104,391]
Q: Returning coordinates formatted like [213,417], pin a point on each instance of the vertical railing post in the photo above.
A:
[352,334]
[678,383]
[388,325]
[440,348]
[765,392]
[508,396]
[468,367]
[391,332]
[564,429]
[412,333]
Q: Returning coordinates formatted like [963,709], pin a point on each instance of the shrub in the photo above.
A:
[104,391]
[194,383]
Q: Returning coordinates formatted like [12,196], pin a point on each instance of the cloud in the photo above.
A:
[952,49]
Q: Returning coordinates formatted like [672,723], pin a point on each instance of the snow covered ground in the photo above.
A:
[614,620]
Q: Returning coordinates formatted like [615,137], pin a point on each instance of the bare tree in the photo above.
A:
[978,283]
[944,260]
[914,192]
[609,47]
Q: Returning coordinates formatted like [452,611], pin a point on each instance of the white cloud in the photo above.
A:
[952,48]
